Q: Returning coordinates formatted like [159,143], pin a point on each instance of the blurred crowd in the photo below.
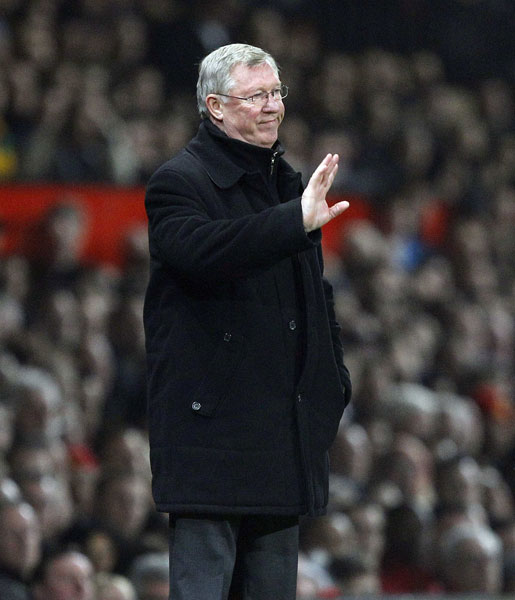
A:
[104,90]
[422,494]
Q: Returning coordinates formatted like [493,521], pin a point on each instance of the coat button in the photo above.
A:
[292,325]
[196,406]
[227,337]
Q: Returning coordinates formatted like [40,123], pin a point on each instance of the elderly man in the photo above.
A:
[246,379]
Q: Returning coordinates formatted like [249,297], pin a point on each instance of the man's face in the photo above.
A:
[248,122]
[20,539]
[69,577]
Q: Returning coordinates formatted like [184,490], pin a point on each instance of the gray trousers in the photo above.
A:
[245,557]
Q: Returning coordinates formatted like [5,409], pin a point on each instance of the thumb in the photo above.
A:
[338,208]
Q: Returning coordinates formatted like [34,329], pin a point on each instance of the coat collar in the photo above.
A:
[226,160]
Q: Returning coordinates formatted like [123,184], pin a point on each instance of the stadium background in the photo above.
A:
[417,96]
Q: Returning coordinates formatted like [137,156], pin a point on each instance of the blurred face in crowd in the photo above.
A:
[252,122]
[460,483]
[68,577]
[34,471]
[65,228]
[476,567]
[368,521]
[125,504]
[39,412]
[20,539]
[114,587]
[351,455]
[101,550]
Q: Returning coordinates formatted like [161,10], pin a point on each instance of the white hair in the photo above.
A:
[216,68]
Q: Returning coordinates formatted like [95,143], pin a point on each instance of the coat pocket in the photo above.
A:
[218,375]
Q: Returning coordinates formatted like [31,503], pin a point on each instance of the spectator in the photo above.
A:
[123,503]
[403,569]
[332,535]
[39,406]
[351,454]
[458,482]
[368,519]
[35,471]
[471,560]
[354,577]
[150,576]
[20,546]
[113,587]
[126,450]
[120,526]
[64,575]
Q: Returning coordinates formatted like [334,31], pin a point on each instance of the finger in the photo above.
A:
[322,172]
[338,208]
[332,168]
[330,176]
[319,176]
[325,164]
[333,164]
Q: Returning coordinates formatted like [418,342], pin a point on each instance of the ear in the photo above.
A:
[215,107]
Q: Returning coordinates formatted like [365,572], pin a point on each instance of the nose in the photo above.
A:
[271,103]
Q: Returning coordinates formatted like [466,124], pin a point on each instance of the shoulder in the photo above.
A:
[186,161]
[183,162]
[183,170]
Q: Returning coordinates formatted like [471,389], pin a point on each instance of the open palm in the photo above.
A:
[315,210]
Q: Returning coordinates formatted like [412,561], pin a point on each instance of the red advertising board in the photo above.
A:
[110,212]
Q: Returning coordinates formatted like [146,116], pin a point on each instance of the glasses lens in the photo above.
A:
[262,97]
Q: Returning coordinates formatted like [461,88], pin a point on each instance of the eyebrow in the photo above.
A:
[259,90]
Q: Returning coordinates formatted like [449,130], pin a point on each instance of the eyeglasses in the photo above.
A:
[261,98]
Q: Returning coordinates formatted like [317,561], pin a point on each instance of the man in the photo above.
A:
[471,560]
[20,545]
[64,575]
[246,381]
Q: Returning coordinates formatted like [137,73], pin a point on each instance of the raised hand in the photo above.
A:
[315,210]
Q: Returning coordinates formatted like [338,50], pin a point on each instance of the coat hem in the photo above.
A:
[238,510]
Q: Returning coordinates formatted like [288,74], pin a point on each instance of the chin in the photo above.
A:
[267,142]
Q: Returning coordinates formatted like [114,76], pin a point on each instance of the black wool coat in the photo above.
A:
[232,429]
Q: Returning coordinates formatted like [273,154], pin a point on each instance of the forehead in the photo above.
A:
[70,563]
[248,79]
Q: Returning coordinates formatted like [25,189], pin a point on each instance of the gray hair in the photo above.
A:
[216,68]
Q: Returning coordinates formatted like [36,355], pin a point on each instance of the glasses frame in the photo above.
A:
[283,90]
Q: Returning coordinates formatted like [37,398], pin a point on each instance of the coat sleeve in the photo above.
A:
[203,249]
